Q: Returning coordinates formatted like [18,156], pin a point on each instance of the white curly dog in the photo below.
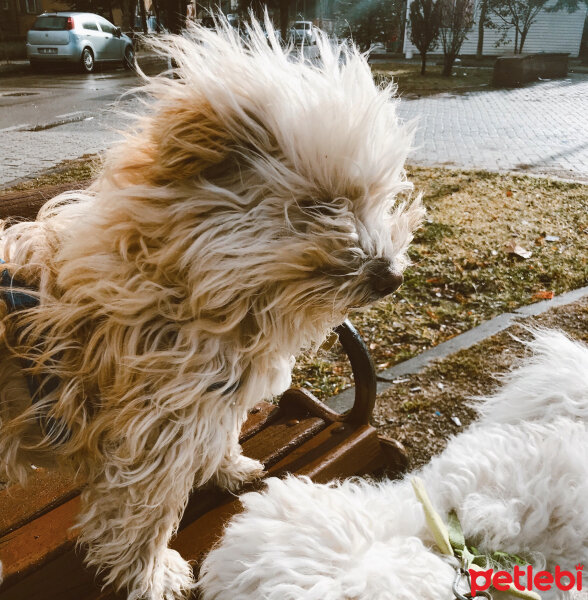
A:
[254,203]
[518,480]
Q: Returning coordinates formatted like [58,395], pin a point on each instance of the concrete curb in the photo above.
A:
[344,401]
[147,62]
[14,67]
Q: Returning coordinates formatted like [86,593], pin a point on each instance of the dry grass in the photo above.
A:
[462,273]
[420,411]
[68,171]
[411,83]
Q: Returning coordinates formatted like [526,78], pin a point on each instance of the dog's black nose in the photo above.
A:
[383,280]
[388,283]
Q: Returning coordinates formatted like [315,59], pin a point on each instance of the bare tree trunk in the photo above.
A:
[516,40]
[483,10]
[143,16]
[13,5]
[523,38]
[174,14]
[125,6]
[132,13]
[423,62]
[155,8]
[284,18]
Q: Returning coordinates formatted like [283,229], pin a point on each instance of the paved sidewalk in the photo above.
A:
[26,153]
[541,128]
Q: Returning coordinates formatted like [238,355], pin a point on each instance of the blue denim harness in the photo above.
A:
[20,300]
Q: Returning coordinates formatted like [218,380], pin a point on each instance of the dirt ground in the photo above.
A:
[411,84]
[418,412]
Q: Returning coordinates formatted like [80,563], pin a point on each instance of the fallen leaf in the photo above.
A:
[543,295]
[513,248]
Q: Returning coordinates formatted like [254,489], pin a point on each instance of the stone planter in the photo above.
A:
[522,68]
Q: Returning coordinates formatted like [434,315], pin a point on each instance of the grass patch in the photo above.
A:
[462,273]
[424,422]
[68,171]
[411,83]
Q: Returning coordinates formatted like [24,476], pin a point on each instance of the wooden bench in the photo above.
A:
[299,435]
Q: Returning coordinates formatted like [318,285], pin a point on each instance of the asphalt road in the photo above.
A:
[32,100]
[47,118]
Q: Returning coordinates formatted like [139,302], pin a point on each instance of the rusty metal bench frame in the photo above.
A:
[299,435]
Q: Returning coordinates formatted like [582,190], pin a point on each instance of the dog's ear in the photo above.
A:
[178,142]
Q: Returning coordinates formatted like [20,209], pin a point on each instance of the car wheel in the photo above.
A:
[129,58]
[87,60]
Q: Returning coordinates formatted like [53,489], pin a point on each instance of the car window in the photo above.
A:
[50,24]
[106,26]
[91,25]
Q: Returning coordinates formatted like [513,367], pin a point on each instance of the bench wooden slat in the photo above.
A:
[45,490]
[64,578]
[51,534]
[24,550]
[195,540]
[26,204]
[338,451]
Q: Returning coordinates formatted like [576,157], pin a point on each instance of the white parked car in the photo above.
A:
[83,38]
[303,32]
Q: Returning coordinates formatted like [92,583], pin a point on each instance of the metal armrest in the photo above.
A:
[364,374]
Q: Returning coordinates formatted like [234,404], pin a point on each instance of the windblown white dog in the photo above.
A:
[254,204]
[518,480]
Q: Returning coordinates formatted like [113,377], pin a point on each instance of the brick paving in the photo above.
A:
[26,153]
[540,129]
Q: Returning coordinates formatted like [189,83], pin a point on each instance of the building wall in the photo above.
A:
[551,32]
[17,16]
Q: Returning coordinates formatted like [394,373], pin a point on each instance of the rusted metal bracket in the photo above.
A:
[364,374]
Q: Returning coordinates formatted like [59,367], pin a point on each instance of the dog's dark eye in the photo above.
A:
[345,263]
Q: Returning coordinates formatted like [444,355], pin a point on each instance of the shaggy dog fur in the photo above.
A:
[253,205]
[518,479]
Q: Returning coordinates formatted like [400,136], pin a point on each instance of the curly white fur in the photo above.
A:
[518,480]
[255,202]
